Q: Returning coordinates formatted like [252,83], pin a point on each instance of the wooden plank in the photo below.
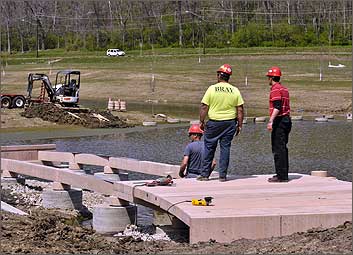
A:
[65,176]
[28,147]
[20,155]
[159,169]
[124,164]
[56,156]
[146,167]
[91,159]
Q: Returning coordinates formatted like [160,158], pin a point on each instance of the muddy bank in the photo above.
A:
[60,232]
[55,232]
[85,117]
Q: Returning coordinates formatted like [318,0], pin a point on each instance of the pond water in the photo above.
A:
[312,146]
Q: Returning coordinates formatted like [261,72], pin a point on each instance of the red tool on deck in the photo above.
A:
[164,181]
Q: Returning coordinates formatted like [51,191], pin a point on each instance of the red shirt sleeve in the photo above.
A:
[275,94]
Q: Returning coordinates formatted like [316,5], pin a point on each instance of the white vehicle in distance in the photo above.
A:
[115,53]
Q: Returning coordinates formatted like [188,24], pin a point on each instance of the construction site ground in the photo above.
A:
[59,232]
[15,119]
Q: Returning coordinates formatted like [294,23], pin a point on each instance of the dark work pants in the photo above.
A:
[222,131]
[281,128]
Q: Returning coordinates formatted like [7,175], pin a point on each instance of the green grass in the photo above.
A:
[53,53]
[181,79]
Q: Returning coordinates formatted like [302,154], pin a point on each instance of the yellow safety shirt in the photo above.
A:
[222,98]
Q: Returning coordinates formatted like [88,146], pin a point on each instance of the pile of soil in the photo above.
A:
[74,116]
[60,232]
[48,231]
[57,232]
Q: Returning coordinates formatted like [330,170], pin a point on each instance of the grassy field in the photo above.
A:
[181,76]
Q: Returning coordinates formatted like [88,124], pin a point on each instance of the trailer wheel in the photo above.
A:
[5,102]
[18,102]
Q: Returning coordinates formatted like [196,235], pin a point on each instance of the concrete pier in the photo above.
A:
[63,199]
[109,219]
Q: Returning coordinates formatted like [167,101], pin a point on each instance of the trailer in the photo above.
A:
[12,100]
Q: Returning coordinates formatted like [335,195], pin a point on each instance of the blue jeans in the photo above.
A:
[222,131]
[190,175]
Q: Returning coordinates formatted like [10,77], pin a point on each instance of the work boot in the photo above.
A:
[202,178]
[276,179]
[222,179]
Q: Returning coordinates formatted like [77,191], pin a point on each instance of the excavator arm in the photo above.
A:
[46,82]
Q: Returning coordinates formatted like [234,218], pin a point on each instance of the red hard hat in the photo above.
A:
[226,68]
[195,129]
[274,71]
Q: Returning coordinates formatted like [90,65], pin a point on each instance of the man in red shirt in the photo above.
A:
[279,124]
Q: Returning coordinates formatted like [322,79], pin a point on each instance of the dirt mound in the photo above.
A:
[46,231]
[55,232]
[60,232]
[74,116]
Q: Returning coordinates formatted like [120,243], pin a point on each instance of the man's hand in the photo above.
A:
[202,125]
[237,132]
[272,118]
[203,114]
[269,126]
[183,166]
[181,174]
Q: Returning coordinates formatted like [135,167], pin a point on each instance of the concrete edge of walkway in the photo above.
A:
[9,208]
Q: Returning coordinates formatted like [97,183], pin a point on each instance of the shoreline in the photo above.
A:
[11,121]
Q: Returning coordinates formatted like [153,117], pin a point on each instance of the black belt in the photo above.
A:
[283,116]
[221,120]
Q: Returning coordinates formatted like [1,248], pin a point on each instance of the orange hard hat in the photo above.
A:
[195,129]
[274,71]
[226,68]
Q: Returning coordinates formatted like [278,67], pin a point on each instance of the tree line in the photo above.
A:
[135,24]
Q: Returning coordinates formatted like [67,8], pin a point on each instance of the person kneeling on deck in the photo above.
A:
[193,154]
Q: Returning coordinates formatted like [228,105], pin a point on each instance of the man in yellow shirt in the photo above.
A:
[223,104]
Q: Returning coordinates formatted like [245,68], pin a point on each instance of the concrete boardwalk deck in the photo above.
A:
[249,206]
[243,207]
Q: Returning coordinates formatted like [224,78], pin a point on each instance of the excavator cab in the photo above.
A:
[67,87]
